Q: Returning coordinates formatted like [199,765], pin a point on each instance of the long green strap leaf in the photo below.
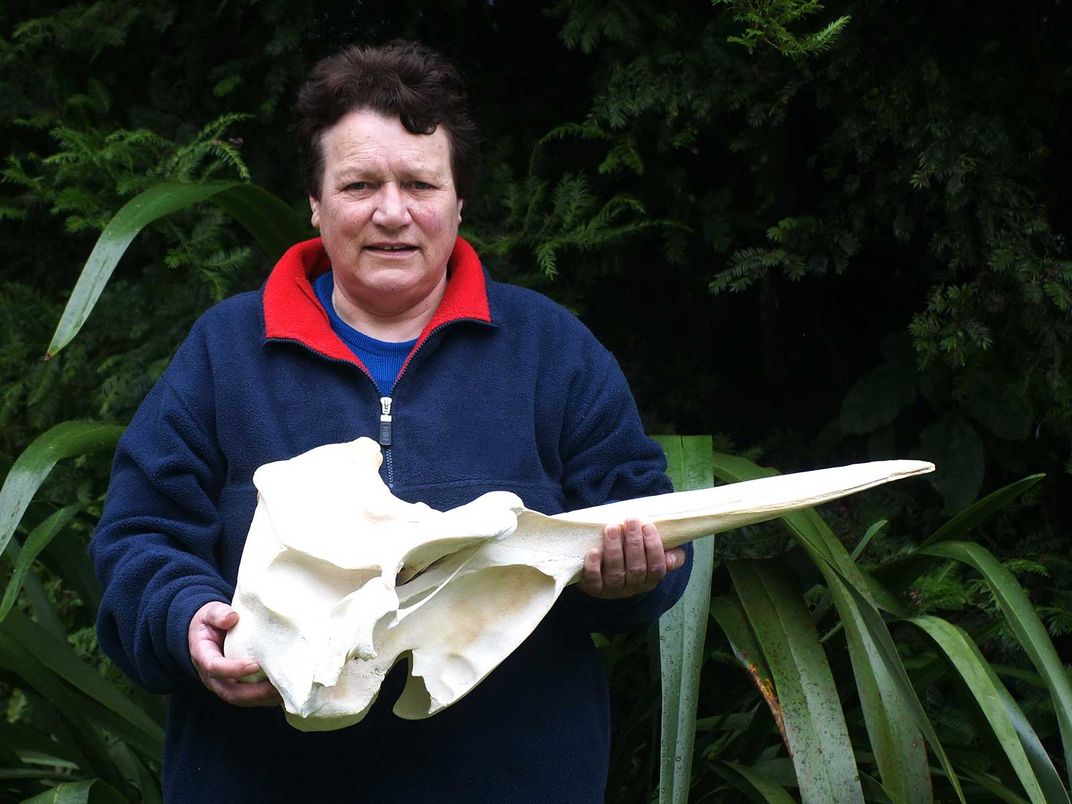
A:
[974,514]
[727,613]
[886,652]
[271,222]
[152,204]
[818,738]
[682,630]
[135,769]
[808,528]
[61,727]
[869,534]
[65,440]
[66,793]
[898,575]
[40,603]
[65,663]
[1025,623]
[758,783]
[83,792]
[983,683]
[39,539]
[76,733]
[38,774]
[66,556]
[148,746]
[893,728]
[1047,775]
[997,790]
[16,736]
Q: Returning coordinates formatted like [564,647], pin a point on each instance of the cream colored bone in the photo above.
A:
[340,579]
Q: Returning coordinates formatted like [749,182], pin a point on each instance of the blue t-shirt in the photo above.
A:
[383,359]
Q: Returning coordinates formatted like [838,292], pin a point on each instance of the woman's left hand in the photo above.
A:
[631,561]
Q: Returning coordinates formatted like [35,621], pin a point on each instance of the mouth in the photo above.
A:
[391,248]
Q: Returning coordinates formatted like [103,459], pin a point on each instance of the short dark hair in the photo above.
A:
[400,79]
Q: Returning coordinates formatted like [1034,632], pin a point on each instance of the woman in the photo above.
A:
[385,325]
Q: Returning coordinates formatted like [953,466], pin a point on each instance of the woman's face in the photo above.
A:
[388,213]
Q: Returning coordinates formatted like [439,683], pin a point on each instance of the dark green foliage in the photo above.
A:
[897,181]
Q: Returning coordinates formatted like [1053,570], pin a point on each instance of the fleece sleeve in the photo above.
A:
[153,550]
[607,457]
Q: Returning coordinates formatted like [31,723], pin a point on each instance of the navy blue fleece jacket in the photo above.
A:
[503,390]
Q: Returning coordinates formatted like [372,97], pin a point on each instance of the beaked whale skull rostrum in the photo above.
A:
[340,580]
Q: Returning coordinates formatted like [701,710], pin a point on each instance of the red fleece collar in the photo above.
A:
[292,311]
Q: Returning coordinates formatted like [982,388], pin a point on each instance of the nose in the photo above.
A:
[391,208]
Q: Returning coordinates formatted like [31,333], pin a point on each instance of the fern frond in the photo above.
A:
[571,199]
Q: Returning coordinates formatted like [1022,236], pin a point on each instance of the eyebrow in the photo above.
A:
[420,171]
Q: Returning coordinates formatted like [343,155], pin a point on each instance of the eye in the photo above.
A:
[358,186]
[421,185]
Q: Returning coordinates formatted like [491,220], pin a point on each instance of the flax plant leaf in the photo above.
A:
[273,225]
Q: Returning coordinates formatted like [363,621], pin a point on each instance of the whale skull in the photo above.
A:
[340,579]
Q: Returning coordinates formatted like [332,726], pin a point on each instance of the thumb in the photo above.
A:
[675,559]
[222,616]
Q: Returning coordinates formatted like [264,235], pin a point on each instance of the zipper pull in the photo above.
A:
[385,421]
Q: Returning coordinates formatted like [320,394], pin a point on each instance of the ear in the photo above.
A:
[314,219]
[461,203]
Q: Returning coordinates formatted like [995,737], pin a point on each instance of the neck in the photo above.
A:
[390,324]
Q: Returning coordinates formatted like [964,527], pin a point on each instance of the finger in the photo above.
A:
[636,558]
[613,569]
[207,628]
[656,556]
[675,559]
[221,616]
[221,667]
[592,575]
[206,652]
[260,693]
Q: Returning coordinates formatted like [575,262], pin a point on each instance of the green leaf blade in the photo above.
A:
[762,785]
[148,206]
[984,685]
[878,397]
[895,738]
[898,575]
[972,516]
[1025,624]
[893,727]
[682,630]
[87,791]
[65,440]
[66,793]
[886,652]
[814,722]
[60,659]
[273,224]
[39,539]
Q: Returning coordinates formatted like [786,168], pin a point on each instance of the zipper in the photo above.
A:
[385,421]
[386,435]
[390,468]
[386,417]
[385,439]
[385,403]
